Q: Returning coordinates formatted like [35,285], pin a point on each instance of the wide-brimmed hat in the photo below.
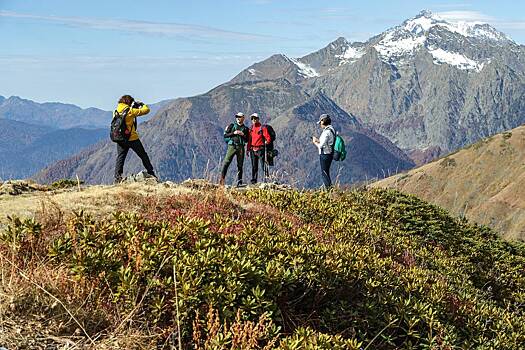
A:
[323,117]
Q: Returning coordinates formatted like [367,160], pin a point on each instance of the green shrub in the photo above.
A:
[65,183]
[447,163]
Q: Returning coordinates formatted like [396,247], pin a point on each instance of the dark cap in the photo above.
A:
[323,117]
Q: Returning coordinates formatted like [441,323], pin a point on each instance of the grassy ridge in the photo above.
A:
[266,269]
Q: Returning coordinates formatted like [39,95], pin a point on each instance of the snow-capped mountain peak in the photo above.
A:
[427,20]
[431,31]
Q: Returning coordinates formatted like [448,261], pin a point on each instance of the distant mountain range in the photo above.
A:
[26,148]
[424,88]
[52,114]
[60,115]
[35,135]
[484,182]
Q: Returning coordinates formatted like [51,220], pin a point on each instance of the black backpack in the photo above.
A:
[119,131]
[271,132]
[270,148]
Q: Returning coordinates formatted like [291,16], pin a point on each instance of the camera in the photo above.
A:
[137,104]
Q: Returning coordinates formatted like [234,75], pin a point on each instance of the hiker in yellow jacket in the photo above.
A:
[136,109]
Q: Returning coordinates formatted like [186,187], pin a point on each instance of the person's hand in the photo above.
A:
[315,139]
[238,132]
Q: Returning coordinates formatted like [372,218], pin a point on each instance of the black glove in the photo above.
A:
[137,104]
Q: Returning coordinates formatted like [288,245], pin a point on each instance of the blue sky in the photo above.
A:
[91,52]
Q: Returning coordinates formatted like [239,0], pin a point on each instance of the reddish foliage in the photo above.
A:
[223,214]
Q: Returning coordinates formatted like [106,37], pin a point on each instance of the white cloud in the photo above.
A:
[466,16]
[451,6]
[476,16]
[141,27]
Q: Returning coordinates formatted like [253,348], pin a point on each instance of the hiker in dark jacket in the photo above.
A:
[236,135]
[258,138]
[136,109]
[325,145]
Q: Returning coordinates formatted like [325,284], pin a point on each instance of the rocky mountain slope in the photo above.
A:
[484,182]
[428,86]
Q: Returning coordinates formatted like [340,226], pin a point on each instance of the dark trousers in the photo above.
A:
[326,162]
[122,152]
[234,151]
[256,157]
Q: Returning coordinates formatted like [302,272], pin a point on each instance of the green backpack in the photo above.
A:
[339,148]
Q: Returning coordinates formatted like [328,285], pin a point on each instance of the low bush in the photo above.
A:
[65,183]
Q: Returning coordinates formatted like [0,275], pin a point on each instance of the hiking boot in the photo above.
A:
[239,183]
[117,180]
[151,176]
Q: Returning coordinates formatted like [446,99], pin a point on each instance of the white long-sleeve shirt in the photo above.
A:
[326,140]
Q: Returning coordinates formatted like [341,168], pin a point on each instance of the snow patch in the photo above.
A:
[420,24]
[389,47]
[455,59]
[252,71]
[350,55]
[304,69]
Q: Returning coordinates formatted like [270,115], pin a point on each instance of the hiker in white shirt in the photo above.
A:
[325,145]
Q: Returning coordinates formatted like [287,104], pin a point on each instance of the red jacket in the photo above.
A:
[255,137]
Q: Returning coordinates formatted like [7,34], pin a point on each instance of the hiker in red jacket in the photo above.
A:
[258,138]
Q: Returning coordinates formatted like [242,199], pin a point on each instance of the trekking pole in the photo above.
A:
[265,166]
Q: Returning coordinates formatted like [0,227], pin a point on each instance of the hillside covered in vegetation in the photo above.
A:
[207,268]
[484,182]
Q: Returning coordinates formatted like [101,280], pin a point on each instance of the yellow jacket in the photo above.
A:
[131,116]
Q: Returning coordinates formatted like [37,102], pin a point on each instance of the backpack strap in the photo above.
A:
[335,138]
[228,130]
[123,114]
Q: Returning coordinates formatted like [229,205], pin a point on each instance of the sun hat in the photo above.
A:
[322,117]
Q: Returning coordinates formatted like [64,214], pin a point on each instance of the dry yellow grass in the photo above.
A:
[96,200]
[484,182]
